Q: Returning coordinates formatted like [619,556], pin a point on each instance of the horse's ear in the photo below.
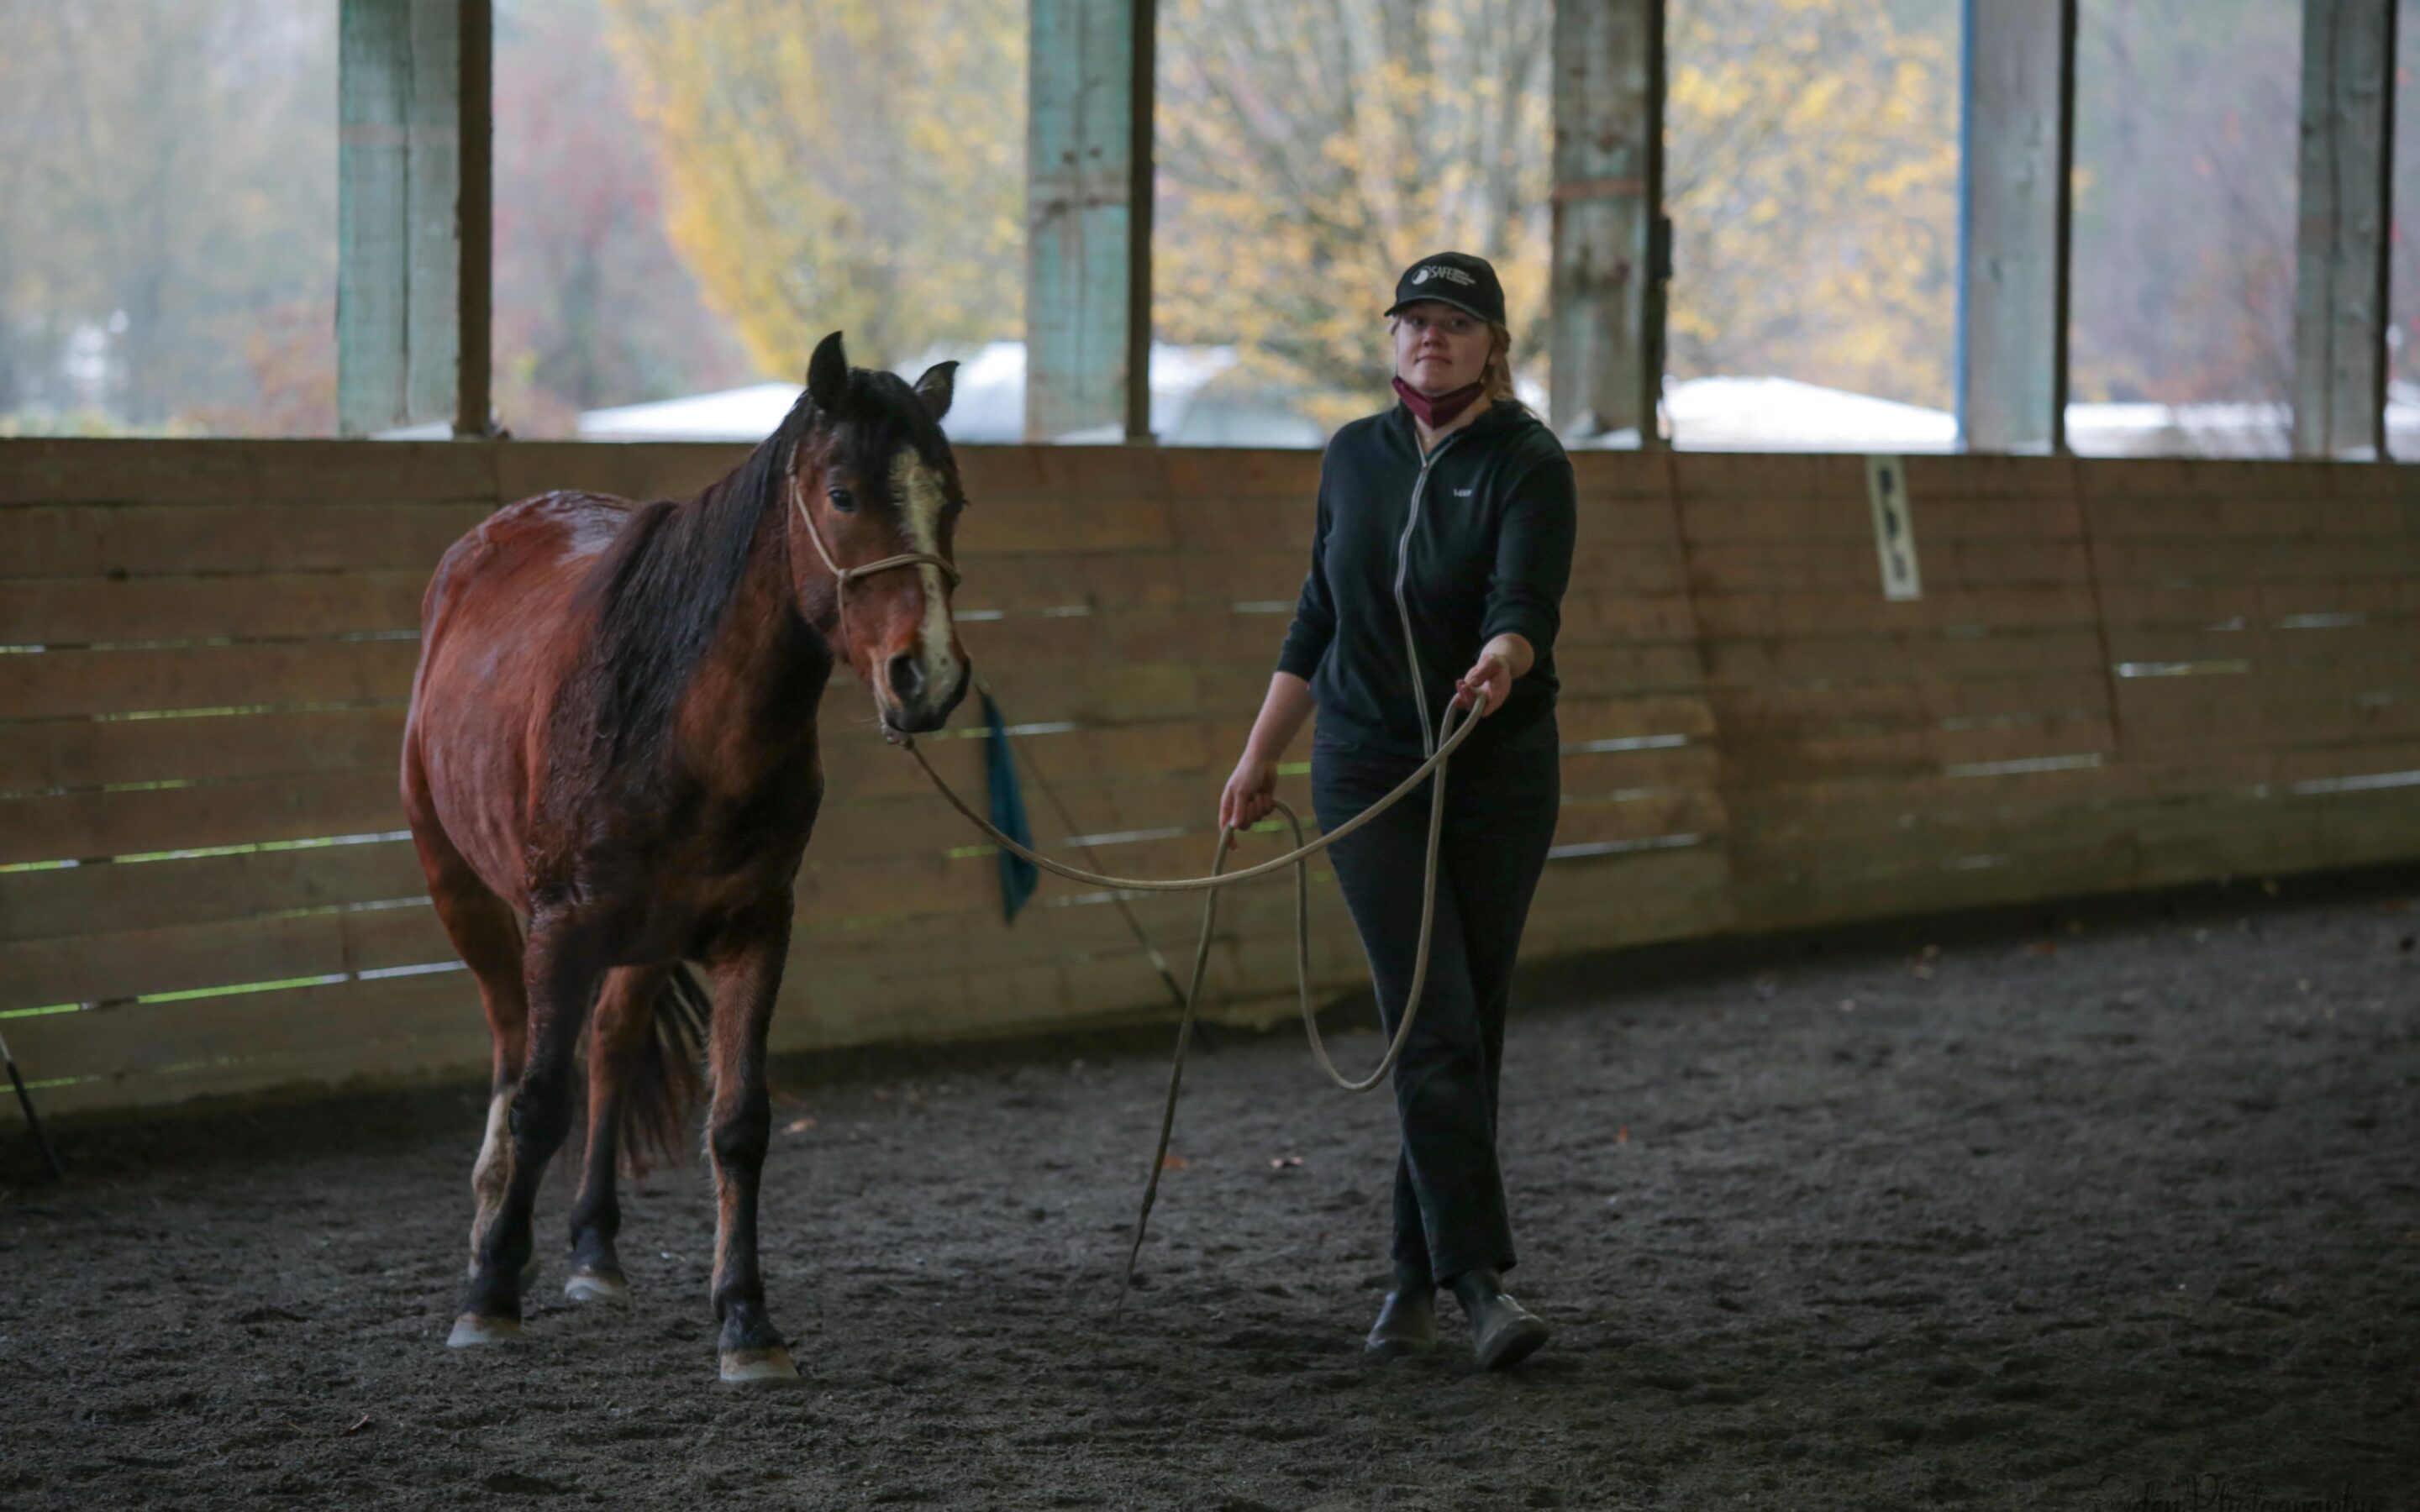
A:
[935,386]
[827,375]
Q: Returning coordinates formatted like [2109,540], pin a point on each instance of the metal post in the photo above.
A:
[474,216]
[1606,346]
[2015,205]
[1087,313]
[2340,278]
[398,267]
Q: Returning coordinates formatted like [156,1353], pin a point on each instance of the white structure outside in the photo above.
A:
[1715,414]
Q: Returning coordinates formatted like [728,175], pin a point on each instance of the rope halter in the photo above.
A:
[842,577]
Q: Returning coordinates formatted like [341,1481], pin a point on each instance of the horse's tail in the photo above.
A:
[667,1083]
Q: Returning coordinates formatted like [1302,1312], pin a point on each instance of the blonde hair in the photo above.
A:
[1495,379]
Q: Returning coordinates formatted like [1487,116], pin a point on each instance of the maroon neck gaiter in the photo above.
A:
[1441,408]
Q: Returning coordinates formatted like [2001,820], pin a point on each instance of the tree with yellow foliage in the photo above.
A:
[859,164]
[1812,175]
[1312,148]
[851,164]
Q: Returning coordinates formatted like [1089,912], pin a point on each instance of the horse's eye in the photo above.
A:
[842,500]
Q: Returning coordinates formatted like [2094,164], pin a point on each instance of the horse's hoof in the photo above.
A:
[759,1367]
[596,1285]
[470,1330]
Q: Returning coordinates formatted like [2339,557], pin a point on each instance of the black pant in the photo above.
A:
[1501,800]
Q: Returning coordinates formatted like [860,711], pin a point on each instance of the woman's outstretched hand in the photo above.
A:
[1492,675]
[1250,795]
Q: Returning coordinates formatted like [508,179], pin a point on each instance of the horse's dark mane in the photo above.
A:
[663,588]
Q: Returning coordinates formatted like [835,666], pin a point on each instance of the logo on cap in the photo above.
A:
[1437,271]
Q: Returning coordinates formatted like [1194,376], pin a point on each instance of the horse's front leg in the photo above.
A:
[562,971]
[746,968]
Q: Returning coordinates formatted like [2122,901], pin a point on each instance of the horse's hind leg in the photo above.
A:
[488,939]
[747,976]
[564,963]
[618,1041]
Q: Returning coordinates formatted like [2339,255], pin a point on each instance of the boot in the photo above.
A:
[1407,1320]
[1502,1332]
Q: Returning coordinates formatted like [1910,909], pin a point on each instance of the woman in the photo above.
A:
[1444,541]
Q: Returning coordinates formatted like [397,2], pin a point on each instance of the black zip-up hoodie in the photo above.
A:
[1489,551]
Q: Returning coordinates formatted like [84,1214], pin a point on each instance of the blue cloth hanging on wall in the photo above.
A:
[1017,876]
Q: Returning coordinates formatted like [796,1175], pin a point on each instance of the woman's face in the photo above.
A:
[1439,349]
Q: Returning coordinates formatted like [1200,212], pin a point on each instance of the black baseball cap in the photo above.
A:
[1455,278]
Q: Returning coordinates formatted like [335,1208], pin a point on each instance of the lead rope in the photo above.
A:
[1450,734]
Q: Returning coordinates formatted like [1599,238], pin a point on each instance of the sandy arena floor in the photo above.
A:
[2113,1207]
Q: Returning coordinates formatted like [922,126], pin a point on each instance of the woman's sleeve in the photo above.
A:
[1533,556]
[1314,612]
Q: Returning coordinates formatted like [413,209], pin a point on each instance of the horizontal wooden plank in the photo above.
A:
[92,825]
[1035,582]
[2062,606]
[2277,605]
[124,1040]
[2314,483]
[92,611]
[1623,475]
[644,471]
[66,902]
[41,754]
[1059,523]
[1788,759]
[1244,473]
[2267,518]
[101,541]
[2261,563]
[1698,475]
[1628,567]
[1848,517]
[1818,566]
[68,470]
[2380,643]
[50,683]
[1960,476]
[1909,702]
[183,957]
[1932,656]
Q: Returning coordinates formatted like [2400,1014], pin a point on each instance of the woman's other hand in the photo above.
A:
[1250,795]
[1492,675]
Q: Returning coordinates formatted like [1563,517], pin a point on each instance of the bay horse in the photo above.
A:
[612,741]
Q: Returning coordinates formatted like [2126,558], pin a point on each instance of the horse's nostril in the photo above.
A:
[907,678]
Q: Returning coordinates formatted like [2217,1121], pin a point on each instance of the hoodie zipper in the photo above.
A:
[1402,608]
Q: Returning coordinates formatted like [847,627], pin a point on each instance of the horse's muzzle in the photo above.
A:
[915,709]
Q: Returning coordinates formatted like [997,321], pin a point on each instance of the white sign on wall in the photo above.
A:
[1894,527]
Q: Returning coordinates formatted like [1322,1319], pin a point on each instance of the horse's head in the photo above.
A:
[874,478]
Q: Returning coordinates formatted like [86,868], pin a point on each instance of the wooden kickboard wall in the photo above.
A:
[2118,674]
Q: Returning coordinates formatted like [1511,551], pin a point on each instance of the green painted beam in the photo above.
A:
[1606,346]
[1087,226]
[2013,266]
[399,182]
[2343,224]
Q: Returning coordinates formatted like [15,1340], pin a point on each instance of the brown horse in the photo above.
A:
[612,741]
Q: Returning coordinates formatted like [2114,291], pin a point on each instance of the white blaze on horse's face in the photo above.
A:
[916,491]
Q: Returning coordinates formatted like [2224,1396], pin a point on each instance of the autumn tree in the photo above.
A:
[1812,180]
[168,215]
[593,306]
[854,164]
[1312,148]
